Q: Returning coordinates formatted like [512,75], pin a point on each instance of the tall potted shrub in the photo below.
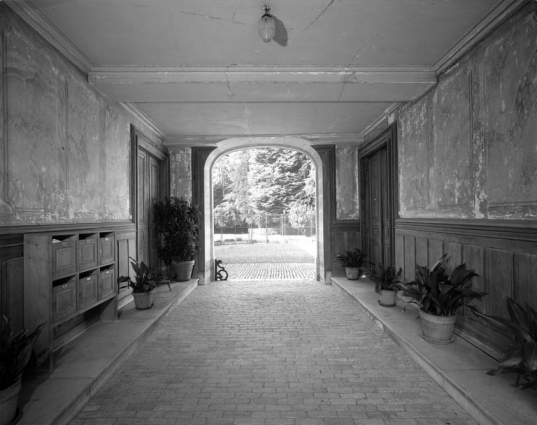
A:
[177,222]
[439,296]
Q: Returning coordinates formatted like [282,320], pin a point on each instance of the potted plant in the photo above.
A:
[143,284]
[439,296]
[177,221]
[386,280]
[15,353]
[521,356]
[352,260]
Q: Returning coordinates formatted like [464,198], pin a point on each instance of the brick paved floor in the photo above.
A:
[267,261]
[270,353]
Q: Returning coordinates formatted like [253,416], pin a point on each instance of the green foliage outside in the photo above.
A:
[249,184]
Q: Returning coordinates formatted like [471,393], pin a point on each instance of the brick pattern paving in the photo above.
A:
[264,271]
[270,353]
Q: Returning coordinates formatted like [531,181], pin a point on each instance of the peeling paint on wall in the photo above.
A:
[468,148]
[181,173]
[67,150]
[347,204]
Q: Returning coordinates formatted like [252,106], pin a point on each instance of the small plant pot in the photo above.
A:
[353,273]
[387,297]
[437,329]
[183,270]
[9,399]
[143,300]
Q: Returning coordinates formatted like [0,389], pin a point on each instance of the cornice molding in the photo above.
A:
[39,22]
[489,23]
[143,118]
[314,139]
[246,75]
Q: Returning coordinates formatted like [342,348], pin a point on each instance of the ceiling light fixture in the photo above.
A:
[266,25]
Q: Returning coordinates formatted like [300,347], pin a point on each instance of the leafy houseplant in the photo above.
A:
[386,280]
[15,353]
[143,284]
[352,260]
[521,356]
[439,296]
[177,221]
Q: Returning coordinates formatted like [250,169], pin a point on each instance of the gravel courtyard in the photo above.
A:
[294,260]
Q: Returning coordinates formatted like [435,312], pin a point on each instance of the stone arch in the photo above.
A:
[238,143]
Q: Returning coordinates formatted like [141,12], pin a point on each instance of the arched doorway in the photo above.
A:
[206,269]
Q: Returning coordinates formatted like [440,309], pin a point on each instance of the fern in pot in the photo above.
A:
[177,222]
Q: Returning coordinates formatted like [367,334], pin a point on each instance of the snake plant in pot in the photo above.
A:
[15,353]
[177,222]
[521,356]
[353,262]
[440,296]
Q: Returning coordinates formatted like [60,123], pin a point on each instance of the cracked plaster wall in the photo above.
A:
[181,172]
[347,206]
[65,150]
[468,148]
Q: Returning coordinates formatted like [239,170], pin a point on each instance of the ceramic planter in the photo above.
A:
[9,399]
[183,270]
[387,297]
[437,329]
[143,300]
[353,273]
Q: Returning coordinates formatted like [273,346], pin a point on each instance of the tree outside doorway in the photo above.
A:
[264,213]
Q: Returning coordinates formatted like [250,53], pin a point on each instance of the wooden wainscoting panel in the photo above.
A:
[525,275]
[499,266]
[454,252]
[410,257]
[436,249]
[422,251]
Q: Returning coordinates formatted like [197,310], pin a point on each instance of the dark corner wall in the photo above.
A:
[468,171]
[64,153]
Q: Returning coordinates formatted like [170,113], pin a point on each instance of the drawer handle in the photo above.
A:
[64,286]
[88,278]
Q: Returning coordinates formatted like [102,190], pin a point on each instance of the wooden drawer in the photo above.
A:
[107,282]
[87,254]
[88,290]
[63,258]
[64,299]
[107,250]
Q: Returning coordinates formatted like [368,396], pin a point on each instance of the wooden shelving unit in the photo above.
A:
[69,284]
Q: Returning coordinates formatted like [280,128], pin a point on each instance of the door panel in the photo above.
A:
[375,207]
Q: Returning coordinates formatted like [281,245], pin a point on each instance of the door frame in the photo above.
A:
[140,141]
[388,139]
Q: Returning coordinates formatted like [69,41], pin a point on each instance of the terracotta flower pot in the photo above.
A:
[437,329]
[9,399]
[387,297]
[143,300]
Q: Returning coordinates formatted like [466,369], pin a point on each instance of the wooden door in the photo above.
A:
[375,207]
[378,183]
[150,180]
[149,191]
